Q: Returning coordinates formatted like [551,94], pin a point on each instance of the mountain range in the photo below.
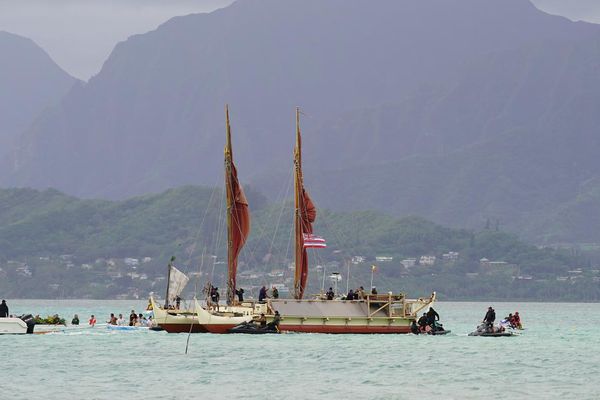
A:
[460,111]
[30,81]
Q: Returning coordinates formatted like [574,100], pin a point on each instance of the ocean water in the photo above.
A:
[556,357]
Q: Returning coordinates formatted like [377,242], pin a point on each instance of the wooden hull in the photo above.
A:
[383,315]
[176,321]
[182,328]
[213,323]
[355,329]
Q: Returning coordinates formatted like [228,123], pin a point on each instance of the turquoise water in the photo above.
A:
[556,357]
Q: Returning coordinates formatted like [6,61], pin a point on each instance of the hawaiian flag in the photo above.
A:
[312,241]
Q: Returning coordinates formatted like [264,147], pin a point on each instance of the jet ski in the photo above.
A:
[493,331]
[253,329]
[438,329]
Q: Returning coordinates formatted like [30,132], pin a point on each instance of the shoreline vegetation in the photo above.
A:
[55,246]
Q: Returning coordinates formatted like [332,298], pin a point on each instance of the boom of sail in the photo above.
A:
[238,215]
[305,215]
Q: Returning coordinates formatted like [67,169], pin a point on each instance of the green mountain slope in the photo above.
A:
[53,245]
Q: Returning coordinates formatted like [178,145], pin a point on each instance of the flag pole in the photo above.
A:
[348,276]
[373,267]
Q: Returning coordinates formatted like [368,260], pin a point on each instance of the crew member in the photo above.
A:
[75,320]
[240,294]
[275,293]
[92,321]
[4,310]
[330,295]
[262,294]
[177,302]
[361,293]
[214,296]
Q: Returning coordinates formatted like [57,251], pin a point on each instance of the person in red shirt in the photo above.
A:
[92,321]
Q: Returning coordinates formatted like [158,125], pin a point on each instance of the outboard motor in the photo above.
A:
[28,319]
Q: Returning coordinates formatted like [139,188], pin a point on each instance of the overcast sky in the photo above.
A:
[80,34]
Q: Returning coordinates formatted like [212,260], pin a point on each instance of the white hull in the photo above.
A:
[14,326]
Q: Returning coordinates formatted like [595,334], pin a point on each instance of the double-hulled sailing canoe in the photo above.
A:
[374,314]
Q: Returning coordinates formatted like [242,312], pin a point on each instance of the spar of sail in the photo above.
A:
[238,215]
[305,215]
[176,282]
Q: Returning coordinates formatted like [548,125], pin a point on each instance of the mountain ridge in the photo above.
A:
[382,84]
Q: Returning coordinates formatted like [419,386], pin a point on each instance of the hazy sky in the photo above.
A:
[80,34]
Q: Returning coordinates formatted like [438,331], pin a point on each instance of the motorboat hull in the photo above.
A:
[17,326]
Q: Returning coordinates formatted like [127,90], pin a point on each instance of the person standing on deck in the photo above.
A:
[4,310]
[240,294]
[262,295]
[361,293]
[215,296]
[275,293]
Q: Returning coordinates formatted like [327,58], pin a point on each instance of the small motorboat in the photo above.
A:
[253,329]
[17,325]
[493,331]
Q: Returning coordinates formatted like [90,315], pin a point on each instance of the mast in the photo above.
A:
[298,242]
[304,215]
[238,216]
[168,281]
[229,196]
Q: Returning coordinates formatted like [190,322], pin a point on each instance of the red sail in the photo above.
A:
[238,215]
[308,214]
[239,227]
